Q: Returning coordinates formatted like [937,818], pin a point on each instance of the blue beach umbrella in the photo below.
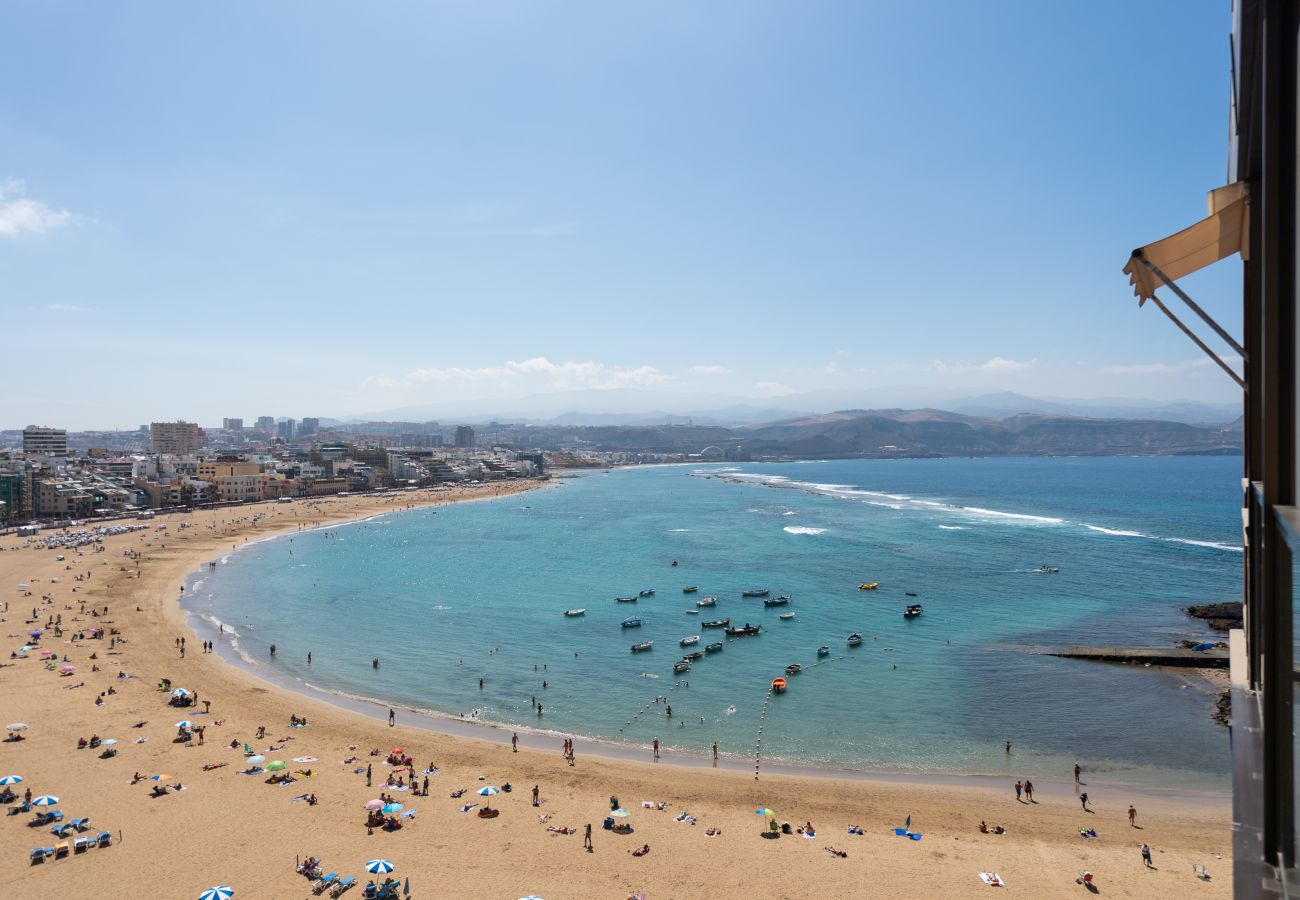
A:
[221,892]
[393,807]
[254,760]
[186,724]
[180,692]
[488,791]
[379,867]
[11,779]
[46,800]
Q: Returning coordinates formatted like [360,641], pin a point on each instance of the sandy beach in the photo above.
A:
[225,828]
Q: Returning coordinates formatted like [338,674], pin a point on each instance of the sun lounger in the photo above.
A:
[344,883]
[80,824]
[104,839]
[82,844]
[60,830]
[320,886]
[61,849]
[39,854]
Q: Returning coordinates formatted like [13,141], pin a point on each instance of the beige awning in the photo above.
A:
[1224,232]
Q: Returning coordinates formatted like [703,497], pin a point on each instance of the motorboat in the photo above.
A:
[911,593]
[648,592]
[823,650]
[778,685]
[776,601]
[575,612]
[632,623]
[855,639]
[707,601]
[744,630]
[694,655]
[624,599]
[687,641]
[715,647]
[1048,570]
[717,623]
[681,666]
[690,590]
[692,612]
[755,592]
[793,669]
[870,586]
[786,616]
[644,645]
[912,611]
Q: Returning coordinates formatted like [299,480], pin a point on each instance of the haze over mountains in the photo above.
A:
[646,407]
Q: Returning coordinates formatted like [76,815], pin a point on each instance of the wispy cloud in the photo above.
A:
[19,214]
[536,374]
[996,365]
[66,308]
[1173,368]
[772,389]
[710,370]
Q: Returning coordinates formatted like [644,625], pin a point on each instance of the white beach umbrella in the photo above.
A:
[185,723]
[379,867]
[45,800]
[254,760]
[17,726]
[489,791]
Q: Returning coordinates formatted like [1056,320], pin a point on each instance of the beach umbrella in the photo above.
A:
[180,692]
[17,726]
[22,586]
[46,654]
[185,723]
[764,812]
[375,804]
[221,892]
[275,765]
[254,760]
[11,779]
[46,800]
[108,742]
[163,777]
[35,634]
[621,814]
[68,670]
[379,867]
[393,808]
[488,791]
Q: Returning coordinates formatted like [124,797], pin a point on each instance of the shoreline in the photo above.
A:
[228,820]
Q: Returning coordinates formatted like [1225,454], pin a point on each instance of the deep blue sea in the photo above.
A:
[434,595]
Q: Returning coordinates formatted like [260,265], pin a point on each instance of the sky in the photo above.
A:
[330,208]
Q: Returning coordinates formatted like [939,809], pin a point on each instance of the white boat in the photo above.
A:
[575,612]
[707,601]
[787,615]
[687,641]
[644,645]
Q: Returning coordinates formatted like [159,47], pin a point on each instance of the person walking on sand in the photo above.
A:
[586,839]
[536,793]
[1083,801]
[514,742]
[1019,787]
[1132,816]
[1077,772]
[392,718]
[1146,857]
[655,746]
[1029,791]
[368,774]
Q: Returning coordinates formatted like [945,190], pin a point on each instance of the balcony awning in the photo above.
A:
[1223,232]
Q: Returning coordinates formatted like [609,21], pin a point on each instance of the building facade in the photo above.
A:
[38,439]
[176,438]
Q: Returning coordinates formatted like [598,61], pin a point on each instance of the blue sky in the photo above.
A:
[317,208]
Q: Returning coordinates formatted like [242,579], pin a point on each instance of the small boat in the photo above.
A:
[693,656]
[624,599]
[869,587]
[855,639]
[776,601]
[1048,570]
[648,592]
[632,623]
[692,612]
[778,685]
[755,592]
[681,666]
[823,650]
[690,590]
[687,641]
[786,616]
[575,612]
[793,669]
[911,593]
[744,630]
[715,647]
[644,645]
[707,601]
[912,611]
[717,623]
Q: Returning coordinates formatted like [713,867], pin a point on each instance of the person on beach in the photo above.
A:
[369,773]
[392,718]
[514,742]
[655,745]
[1077,772]
[715,753]
[1029,791]
[1146,857]
[1083,801]
[1019,787]
[536,796]
[586,839]
[1132,816]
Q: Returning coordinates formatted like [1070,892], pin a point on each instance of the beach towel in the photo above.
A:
[812,836]
[467,807]
[304,759]
[992,879]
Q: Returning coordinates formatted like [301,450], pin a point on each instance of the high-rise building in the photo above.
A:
[309,425]
[48,441]
[266,425]
[177,437]
[287,429]
[232,424]
[464,436]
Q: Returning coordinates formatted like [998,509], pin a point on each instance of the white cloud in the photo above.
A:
[536,374]
[996,365]
[710,370]
[66,308]
[832,368]
[21,215]
[1173,368]
[773,389]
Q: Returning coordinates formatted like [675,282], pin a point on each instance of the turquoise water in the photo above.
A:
[433,595]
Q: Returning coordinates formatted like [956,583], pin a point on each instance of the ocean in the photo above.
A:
[478,590]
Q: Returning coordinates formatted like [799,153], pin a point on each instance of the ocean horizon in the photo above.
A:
[443,597]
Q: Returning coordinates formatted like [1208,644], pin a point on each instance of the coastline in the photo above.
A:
[1193,825]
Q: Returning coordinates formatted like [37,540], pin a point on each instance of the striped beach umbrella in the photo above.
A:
[488,791]
[185,723]
[11,779]
[45,800]
[379,867]
[180,692]
[220,892]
